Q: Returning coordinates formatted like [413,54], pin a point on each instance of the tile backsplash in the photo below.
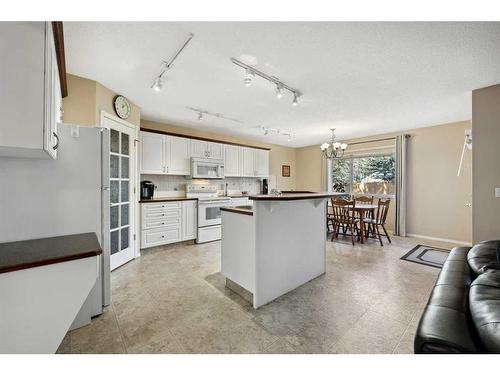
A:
[176,185]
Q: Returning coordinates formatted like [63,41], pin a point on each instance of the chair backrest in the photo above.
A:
[382,210]
[364,199]
[343,210]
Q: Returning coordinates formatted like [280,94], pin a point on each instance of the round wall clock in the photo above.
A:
[122,107]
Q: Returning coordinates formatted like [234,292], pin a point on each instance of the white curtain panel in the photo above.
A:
[401,158]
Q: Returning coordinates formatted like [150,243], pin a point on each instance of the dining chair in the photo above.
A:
[379,220]
[365,199]
[343,217]
[329,216]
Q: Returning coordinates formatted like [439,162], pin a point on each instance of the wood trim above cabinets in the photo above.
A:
[57,30]
[203,139]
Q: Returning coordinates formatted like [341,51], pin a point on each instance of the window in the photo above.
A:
[372,175]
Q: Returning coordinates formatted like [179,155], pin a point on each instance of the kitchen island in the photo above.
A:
[275,246]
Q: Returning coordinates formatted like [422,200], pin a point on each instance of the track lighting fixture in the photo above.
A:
[247,80]
[166,65]
[280,85]
[279,92]
[201,113]
[157,84]
[287,134]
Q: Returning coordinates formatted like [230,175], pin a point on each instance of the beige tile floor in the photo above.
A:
[172,300]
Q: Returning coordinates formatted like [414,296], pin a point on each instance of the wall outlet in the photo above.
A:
[497,192]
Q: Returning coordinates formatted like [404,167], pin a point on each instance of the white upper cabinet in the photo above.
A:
[164,154]
[261,163]
[30,93]
[178,155]
[248,162]
[232,161]
[198,148]
[215,150]
[152,153]
[204,149]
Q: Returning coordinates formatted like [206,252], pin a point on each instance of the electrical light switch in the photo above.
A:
[497,192]
[75,131]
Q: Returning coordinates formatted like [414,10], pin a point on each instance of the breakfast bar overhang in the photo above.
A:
[274,247]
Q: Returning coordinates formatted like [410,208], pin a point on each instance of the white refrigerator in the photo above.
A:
[45,198]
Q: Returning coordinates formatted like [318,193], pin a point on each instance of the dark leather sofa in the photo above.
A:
[463,311]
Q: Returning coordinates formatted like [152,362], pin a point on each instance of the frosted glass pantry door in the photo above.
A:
[121,186]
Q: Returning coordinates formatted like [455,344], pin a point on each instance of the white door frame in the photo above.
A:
[135,172]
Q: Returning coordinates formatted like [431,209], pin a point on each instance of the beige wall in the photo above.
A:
[86,98]
[437,198]
[486,157]
[79,105]
[278,156]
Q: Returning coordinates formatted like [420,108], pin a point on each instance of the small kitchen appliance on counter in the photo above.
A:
[147,189]
[265,186]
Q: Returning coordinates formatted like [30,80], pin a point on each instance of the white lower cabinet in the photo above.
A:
[189,219]
[168,222]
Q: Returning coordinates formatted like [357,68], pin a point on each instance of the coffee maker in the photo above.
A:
[265,186]
[147,189]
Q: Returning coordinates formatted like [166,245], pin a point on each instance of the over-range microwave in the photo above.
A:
[207,168]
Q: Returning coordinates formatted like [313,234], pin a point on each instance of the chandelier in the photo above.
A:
[333,149]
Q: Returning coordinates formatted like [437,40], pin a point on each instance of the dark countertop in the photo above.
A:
[293,196]
[168,199]
[175,199]
[20,255]
[245,210]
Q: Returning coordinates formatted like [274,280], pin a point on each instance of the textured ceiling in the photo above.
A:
[362,78]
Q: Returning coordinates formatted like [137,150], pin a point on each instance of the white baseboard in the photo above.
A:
[463,243]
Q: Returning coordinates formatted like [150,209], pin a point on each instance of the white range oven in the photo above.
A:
[209,213]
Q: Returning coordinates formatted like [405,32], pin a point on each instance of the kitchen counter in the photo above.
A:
[176,199]
[275,247]
[293,196]
[245,210]
[21,255]
[167,199]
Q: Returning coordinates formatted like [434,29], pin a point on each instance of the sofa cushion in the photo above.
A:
[451,297]
[484,303]
[482,255]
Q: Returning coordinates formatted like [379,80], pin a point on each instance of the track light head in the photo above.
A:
[247,80]
[295,101]
[157,84]
[279,92]
[200,116]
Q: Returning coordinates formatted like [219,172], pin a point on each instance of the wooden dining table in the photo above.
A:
[362,209]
